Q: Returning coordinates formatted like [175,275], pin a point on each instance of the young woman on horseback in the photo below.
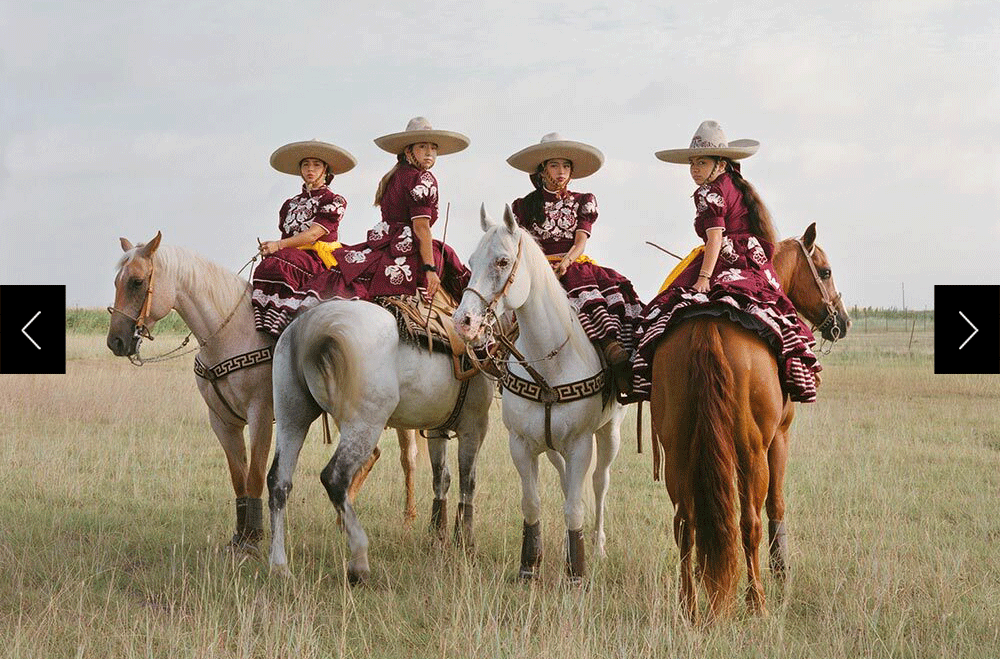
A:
[399,256]
[561,222]
[308,223]
[732,274]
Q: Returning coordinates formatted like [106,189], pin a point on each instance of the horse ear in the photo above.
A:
[509,220]
[149,248]
[485,221]
[809,237]
[126,245]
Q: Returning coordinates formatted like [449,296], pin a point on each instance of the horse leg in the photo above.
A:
[526,463]
[437,449]
[469,444]
[259,426]
[357,441]
[290,437]
[609,440]
[777,459]
[684,536]
[408,460]
[581,452]
[752,478]
[559,463]
[231,438]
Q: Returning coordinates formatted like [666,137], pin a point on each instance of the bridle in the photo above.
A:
[141,330]
[491,305]
[830,319]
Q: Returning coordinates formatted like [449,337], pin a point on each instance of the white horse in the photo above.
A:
[234,359]
[510,272]
[346,357]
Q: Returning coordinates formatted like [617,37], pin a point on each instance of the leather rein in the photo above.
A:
[537,389]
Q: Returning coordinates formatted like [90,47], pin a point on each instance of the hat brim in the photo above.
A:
[736,150]
[447,141]
[286,159]
[585,158]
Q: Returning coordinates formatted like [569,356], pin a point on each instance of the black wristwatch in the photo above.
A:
[429,267]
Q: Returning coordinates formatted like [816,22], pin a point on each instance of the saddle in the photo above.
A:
[429,324]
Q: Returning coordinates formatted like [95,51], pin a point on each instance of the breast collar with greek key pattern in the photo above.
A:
[227,366]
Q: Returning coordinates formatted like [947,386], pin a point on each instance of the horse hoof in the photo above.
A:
[357,577]
[527,576]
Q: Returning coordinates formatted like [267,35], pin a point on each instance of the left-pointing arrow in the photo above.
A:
[23,329]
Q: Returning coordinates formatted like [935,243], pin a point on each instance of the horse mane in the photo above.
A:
[207,281]
[542,276]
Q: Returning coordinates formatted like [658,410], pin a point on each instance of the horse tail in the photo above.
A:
[328,347]
[712,462]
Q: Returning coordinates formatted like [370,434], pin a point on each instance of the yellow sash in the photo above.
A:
[583,258]
[324,251]
[680,267]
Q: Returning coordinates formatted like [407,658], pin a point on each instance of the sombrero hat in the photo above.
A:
[585,158]
[709,140]
[287,158]
[419,130]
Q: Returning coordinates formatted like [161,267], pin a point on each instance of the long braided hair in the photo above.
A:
[760,218]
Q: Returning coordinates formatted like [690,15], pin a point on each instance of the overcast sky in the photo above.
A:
[878,121]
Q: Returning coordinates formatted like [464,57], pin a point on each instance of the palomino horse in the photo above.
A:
[346,357]
[719,413]
[233,365]
[510,272]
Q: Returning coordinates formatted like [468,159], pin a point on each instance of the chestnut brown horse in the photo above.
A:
[720,416]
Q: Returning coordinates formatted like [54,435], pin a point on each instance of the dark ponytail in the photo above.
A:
[534,203]
[760,218]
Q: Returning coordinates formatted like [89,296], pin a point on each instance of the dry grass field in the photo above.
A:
[115,505]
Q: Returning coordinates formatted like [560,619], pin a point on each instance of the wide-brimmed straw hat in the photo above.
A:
[585,158]
[709,140]
[287,158]
[419,130]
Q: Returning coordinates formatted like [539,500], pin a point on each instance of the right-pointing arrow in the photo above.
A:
[975,329]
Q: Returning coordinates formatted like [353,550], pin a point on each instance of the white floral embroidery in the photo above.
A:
[357,256]
[426,189]
[301,211]
[728,253]
[335,207]
[733,274]
[590,208]
[771,279]
[378,231]
[398,271]
[560,220]
[757,252]
[405,244]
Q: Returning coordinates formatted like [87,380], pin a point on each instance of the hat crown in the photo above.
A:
[418,123]
[709,136]
[551,137]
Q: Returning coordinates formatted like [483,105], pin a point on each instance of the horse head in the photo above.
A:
[804,272]
[495,286]
[140,299]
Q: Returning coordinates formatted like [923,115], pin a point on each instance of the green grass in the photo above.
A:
[116,504]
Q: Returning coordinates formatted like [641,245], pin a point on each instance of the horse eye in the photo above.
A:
[135,283]
[502,262]
[824,273]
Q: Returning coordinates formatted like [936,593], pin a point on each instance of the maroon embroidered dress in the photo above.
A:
[281,280]
[605,300]
[744,288]
[388,262]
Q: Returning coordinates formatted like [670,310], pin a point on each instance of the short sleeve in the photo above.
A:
[710,207]
[329,213]
[282,214]
[587,214]
[423,195]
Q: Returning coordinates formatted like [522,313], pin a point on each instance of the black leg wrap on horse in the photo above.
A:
[778,545]
[241,514]
[249,522]
[463,525]
[439,518]
[575,560]
[531,550]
